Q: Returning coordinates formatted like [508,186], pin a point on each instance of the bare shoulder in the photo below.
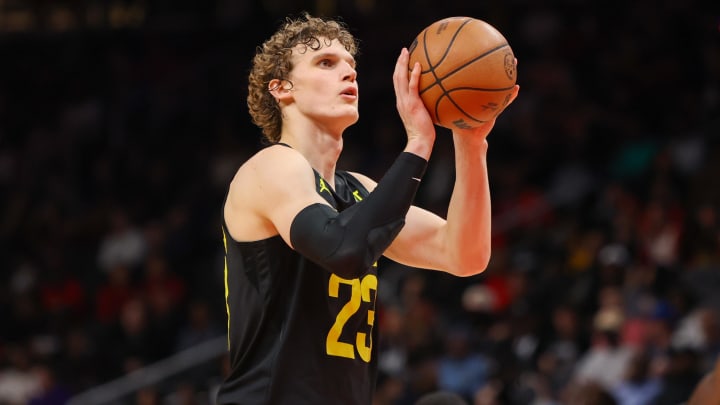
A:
[366,181]
[259,185]
[271,162]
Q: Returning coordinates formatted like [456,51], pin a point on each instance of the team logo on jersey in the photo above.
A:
[323,186]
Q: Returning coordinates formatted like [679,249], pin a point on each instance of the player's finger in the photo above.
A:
[400,76]
[513,95]
[414,81]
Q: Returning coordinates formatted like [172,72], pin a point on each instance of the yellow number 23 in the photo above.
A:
[361,289]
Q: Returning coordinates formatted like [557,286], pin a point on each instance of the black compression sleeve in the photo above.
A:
[349,242]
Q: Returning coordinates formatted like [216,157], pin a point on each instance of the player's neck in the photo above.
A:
[320,148]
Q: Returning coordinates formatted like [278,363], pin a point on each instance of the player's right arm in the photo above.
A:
[274,194]
[268,192]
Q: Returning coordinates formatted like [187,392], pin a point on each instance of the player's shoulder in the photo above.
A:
[266,176]
[277,155]
[272,162]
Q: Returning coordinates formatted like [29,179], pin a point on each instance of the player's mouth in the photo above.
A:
[350,92]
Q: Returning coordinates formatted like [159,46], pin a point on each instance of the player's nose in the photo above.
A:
[350,74]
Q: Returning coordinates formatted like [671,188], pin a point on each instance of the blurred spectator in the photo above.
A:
[164,295]
[18,382]
[25,318]
[461,369]
[148,396]
[639,386]
[199,327]
[680,379]
[78,362]
[123,244]
[441,398]
[607,359]
[700,331]
[701,238]
[389,390]
[132,339]
[590,393]
[61,291]
[51,392]
[659,233]
[540,390]
[561,348]
[391,347]
[112,293]
[490,394]
[158,279]
[185,393]
[421,334]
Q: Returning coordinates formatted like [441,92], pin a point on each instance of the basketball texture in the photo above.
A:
[468,71]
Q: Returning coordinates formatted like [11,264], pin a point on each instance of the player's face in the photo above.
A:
[325,84]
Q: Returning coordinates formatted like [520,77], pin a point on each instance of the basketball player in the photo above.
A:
[302,239]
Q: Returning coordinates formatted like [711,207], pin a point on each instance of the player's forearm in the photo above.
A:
[468,228]
[349,242]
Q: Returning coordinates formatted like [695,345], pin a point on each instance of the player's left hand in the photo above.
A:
[483,130]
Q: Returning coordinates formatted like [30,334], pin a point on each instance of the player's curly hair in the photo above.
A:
[272,61]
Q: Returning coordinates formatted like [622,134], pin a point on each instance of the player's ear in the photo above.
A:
[280,89]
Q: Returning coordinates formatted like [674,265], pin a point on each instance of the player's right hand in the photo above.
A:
[415,117]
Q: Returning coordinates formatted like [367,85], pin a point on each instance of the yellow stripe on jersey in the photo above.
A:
[227,291]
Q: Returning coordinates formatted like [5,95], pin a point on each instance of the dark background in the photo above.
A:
[122,123]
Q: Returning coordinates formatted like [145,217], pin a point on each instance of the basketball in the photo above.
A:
[468,71]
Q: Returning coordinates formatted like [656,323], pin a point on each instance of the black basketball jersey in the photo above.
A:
[298,334]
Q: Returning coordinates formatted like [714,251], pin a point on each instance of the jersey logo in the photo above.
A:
[323,186]
[357,196]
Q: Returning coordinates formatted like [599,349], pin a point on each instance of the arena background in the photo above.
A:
[122,122]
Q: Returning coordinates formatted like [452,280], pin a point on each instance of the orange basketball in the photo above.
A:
[468,71]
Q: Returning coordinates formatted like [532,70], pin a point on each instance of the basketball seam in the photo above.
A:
[480,88]
[477,58]
[446,93]
[438,80]
[447,49]
[449,96]
[460,109]
[432,68]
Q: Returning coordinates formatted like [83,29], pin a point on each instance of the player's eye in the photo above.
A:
[325,62]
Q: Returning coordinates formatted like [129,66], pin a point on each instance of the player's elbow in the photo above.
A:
[469,263]
[348,263]
[471,269]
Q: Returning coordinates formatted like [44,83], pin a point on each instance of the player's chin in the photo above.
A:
[350,114]
[356,119]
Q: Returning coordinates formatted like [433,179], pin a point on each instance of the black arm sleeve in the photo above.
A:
[349,242]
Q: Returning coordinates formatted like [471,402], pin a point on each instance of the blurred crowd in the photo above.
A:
[117,145]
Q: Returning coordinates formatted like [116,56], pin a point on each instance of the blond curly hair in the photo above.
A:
[272,61]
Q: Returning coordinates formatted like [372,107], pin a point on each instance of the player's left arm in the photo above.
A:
[461,243]
[420,230]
